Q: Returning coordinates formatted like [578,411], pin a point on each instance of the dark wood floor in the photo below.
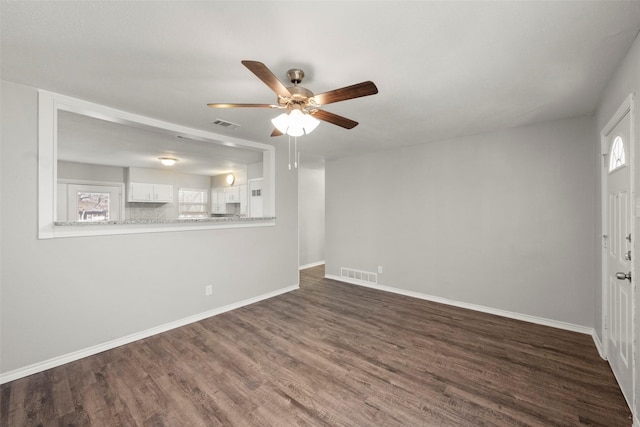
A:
[331,354]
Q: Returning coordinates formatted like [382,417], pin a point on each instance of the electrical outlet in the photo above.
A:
[208,290]
[379,269]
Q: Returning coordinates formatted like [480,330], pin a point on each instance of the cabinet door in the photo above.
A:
[163,193]
[218,205]
[140,192]
[229,195]
[214,201]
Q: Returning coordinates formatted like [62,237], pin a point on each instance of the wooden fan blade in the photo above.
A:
[276,132]
[216,105]
[263,73]
[354,91]
[334,119]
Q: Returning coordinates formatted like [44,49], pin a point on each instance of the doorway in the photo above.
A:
[256,204]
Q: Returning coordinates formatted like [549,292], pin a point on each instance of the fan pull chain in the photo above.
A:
[289,151]
[296,153]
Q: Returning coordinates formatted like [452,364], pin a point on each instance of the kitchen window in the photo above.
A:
[192,203]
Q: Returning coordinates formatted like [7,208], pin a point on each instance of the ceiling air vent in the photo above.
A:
[225,124]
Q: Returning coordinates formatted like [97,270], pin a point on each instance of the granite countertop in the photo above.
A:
[165,221]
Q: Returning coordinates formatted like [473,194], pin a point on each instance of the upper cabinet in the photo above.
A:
[149,193]
[149,185]
[229,200]
[232,194]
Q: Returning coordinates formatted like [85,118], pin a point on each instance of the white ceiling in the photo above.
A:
[443,69]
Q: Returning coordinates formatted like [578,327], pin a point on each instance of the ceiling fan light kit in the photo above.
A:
[296,123]
[303,107]
[303,113]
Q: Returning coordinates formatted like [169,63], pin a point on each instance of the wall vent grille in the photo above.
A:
[359,275]
[225,124]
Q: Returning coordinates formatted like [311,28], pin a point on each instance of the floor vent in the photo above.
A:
[362,276]
[225,124]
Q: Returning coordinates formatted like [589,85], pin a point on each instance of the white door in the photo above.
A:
[255,198]
[619,249]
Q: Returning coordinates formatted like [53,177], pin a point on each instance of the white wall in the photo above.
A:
[311,215]
[625,82]
[64,295]
[502,220]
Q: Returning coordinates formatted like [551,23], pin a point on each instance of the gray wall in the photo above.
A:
[311,214]
[87,172]
[64,295]
[626,81]
[502,220]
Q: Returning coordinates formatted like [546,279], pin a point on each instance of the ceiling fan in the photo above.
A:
[302,105]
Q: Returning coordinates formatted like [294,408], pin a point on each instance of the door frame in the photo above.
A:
[249,182]
[626,107]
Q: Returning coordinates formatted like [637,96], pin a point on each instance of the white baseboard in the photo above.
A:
[599,346]
[89,351]
[313,264]
[490,310]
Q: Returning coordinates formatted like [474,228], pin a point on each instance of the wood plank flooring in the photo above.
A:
[331,354]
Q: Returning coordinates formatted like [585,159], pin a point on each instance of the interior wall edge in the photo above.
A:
[598,343]
[90,351]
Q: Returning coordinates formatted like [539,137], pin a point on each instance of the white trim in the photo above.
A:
[629,402]
[490,310]
[598,343]
[313,264]
[97,229]
[90,351]
[50,103]
[89,182]
[636,421]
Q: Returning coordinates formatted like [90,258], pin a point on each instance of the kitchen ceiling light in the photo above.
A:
[168,161]
[230,179]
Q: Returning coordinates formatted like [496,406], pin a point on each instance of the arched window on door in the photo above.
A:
[616,156]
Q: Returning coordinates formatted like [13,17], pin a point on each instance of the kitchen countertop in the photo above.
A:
[164,221]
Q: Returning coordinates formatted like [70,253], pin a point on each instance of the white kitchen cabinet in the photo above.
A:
[232,194]
[218,204]
[163,193]
[149,193]
[229,200]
